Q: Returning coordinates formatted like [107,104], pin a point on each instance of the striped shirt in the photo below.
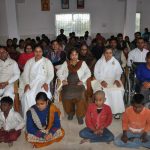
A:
[137,55]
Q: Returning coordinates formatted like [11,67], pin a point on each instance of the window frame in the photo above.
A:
[140,22]
[72,17]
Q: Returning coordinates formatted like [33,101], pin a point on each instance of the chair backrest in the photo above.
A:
[16,85]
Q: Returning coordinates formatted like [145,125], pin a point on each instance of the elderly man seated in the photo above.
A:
[9,73]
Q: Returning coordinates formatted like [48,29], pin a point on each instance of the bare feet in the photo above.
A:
[33,146]
[84,141]
[10,144]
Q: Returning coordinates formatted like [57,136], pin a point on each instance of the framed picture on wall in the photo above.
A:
[65,4]
[80,4]
[45,5]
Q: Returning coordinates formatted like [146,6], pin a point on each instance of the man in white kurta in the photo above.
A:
[138,54]
[9,73]
[36,74]
[109,72]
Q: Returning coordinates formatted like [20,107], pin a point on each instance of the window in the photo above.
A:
[137,22]
[78,23]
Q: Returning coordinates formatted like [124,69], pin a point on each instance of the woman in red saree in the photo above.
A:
[24,57]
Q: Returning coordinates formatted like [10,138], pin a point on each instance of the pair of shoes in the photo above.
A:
[117,116]
[70,117]
[80,120]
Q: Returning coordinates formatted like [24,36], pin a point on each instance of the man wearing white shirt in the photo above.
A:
[9,73]
[138,54]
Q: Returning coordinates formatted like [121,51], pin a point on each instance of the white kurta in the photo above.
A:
[36,74]
[13,121]
[137,55]
[9,71]
[83,73]
[109,72]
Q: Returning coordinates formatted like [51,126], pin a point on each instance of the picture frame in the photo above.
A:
[80,4]
[65,4]
[45,5]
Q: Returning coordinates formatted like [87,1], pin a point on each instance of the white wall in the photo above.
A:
[143,7]
[107,16]
[12,19]
[3,22]
[130,18]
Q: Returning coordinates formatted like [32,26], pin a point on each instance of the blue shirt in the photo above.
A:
[143,73]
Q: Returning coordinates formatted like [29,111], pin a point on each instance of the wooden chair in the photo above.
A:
[89,91]
[16,99]
[58,98]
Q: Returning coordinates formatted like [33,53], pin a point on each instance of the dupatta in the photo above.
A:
[41,142]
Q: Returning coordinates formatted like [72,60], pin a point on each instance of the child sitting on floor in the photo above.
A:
[135,124]
[98,118]
[43,122]
[11,122]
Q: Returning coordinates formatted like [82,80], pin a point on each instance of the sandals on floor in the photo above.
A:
[117,116]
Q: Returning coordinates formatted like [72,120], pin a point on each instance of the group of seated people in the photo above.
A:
[87,79]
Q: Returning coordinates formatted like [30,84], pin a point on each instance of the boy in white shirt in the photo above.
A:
[11,122]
